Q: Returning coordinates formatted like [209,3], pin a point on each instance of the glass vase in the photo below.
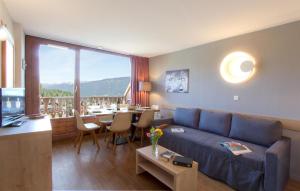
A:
[154,148]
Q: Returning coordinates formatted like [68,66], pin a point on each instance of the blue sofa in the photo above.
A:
[265,168]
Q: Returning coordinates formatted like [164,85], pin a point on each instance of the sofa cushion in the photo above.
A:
[187,117]
[243,172]
[215,122]
[255,130]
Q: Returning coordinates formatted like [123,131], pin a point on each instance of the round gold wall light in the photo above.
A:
[237,67]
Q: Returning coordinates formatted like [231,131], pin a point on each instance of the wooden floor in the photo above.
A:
[105,170]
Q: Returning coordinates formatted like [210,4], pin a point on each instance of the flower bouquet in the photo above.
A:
[154,135]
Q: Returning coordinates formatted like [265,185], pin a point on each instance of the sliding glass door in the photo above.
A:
[104,80]
[84,79]
[74,77]
[57,75]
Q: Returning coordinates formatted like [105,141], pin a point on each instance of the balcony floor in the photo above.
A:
[104,170]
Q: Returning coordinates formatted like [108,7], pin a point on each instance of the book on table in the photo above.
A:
[167,155]
[236,148]
[183,161]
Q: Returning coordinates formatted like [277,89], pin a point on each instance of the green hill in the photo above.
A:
[105,87]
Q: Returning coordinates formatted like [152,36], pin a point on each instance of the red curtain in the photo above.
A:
[139,72]
[32,79]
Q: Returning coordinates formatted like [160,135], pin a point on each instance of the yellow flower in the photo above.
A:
[159,132]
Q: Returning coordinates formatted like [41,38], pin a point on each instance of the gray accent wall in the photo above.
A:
[273,91]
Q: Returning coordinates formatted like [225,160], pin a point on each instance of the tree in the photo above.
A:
[54,92]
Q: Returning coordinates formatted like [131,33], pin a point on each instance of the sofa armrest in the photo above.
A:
[158,122]
[277,165]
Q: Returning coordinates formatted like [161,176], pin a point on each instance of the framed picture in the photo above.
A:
[177,81]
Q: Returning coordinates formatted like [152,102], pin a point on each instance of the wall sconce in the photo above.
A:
[237,67]
[145,86]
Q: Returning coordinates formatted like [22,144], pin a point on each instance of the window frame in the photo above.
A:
[77,48]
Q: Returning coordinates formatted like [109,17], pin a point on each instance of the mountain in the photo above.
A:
[105,87]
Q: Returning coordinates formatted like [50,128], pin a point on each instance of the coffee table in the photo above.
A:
[175,177]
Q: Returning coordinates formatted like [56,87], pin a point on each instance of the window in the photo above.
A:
[57,74]
[104,80]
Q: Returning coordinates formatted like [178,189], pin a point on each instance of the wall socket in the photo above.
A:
[235,98]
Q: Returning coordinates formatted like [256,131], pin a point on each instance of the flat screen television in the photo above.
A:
[12,105]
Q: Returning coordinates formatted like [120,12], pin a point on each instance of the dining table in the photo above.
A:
[136,113]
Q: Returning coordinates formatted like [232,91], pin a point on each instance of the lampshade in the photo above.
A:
[145,86]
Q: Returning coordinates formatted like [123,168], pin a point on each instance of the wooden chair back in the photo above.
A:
[123,106]
[121,122]
[146,119]
[79,122]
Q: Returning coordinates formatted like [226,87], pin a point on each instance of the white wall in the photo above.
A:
[4,16]
[16,30]
[273,91]
[19,37]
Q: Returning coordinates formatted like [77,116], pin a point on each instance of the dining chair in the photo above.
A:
[105,121]
[123,106]
[120,127]
[157,114]
[131,107]
[144,122]
[85,128]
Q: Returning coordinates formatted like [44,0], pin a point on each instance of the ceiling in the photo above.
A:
[148,27]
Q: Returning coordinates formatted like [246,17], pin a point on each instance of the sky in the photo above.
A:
[57,65]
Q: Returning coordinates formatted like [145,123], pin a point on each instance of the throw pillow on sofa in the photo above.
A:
[215,122]
[187,117]
[255,130]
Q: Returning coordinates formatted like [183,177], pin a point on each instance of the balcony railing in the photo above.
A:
[59,107]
